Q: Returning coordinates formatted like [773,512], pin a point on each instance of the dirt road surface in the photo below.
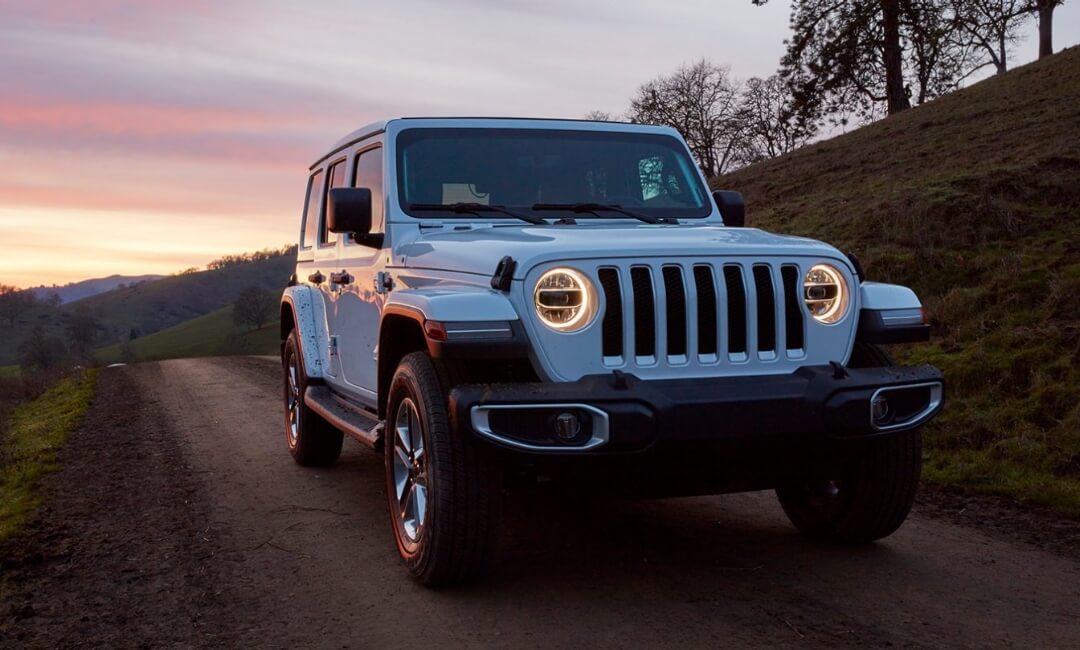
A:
[178,519]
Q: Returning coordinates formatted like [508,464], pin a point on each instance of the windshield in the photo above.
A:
[521,169]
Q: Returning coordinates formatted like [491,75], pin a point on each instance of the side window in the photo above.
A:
[337,179]
[369,175]
[311,210]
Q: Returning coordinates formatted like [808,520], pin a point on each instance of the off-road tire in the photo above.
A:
[457,538]
[872,495]
[316,443]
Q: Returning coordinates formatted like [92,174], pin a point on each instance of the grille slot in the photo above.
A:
[706,309]
[644,312]
[793,317]
[613,323]
[736,310]
[766,309]
[675,294]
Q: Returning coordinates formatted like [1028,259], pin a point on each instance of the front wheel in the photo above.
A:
[870,496]
[443,490]
[868,500]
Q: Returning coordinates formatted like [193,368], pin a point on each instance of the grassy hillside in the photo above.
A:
[973,200]
[151,306]
[209,335]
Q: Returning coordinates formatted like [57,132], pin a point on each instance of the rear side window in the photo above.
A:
[337,179]
[369,175]
[311,210]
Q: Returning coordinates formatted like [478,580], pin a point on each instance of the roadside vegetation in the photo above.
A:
[31,433]
[973,201]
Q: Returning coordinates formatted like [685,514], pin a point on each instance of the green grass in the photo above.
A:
[973,200]
[210,335]
[9,371]
[28,446]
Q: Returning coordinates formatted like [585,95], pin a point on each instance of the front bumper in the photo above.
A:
[775,414]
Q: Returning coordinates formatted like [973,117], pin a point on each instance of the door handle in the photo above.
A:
[340,278]
[316,278]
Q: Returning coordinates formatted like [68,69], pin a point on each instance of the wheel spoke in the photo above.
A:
[402,460]
[416,438]
[406,502]
[420,488]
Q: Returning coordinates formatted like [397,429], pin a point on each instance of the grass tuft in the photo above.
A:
[29,443]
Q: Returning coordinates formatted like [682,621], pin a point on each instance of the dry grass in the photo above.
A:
[974,201]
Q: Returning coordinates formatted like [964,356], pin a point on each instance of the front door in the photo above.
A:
[358,302]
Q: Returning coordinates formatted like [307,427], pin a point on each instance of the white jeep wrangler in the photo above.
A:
[485,298]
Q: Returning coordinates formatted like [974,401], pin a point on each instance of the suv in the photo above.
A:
[481,299]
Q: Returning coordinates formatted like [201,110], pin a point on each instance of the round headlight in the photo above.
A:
[826,293]
[564,300]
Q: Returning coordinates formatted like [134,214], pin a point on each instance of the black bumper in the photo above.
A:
[622,414]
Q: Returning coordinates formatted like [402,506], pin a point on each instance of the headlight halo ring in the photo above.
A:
[565,300]
[826,294]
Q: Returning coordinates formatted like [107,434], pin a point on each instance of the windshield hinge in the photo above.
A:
[504,274]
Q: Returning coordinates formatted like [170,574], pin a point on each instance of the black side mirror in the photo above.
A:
[349,210]
[732,208]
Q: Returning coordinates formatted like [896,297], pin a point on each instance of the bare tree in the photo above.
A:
[253,307]
[769,124]
[14,302]
[599,116]
[991,26]
[41,352]
[701,101]
[82,329]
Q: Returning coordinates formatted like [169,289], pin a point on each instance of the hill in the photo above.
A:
[150,307]
[974,201]
[210,335]
[85,288]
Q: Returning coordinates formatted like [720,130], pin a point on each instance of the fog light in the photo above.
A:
[567,427]
[881,410]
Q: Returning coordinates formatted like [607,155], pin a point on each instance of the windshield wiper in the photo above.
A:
[578,208]
[477,208]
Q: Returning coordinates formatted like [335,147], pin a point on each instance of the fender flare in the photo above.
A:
[890,313]
[309,320]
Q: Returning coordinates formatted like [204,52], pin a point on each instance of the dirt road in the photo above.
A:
[185,523]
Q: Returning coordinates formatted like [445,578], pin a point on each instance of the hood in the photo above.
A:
[480,247]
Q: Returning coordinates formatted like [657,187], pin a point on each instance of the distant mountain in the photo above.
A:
[78,290]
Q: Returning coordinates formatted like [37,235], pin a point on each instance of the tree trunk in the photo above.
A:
[894,63]
[1046,28]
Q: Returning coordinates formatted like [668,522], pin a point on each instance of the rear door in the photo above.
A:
[326,254]
[315,261]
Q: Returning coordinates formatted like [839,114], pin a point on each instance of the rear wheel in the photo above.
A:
[871,495]
[443,490]
[311,440]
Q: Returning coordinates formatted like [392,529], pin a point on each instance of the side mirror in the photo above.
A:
[349,210]
[732,208]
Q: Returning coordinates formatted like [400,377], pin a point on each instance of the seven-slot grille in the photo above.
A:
[672,313]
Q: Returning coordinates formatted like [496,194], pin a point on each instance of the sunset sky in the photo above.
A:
[152,136]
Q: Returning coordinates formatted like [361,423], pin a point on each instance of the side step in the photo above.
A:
[353,420]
